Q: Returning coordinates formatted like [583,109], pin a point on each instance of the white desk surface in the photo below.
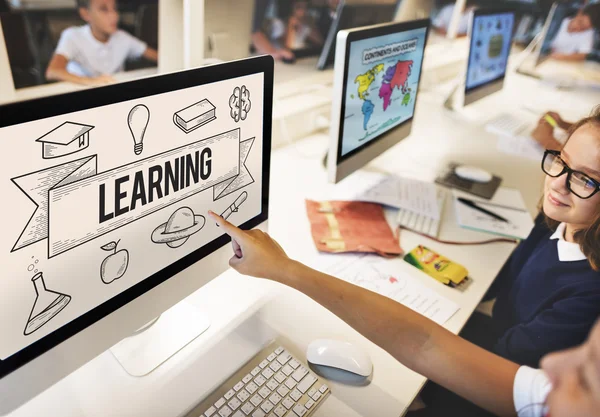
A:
[246,313]
[29,93]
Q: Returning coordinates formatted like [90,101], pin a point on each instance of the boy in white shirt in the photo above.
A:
[575,38]
[90,54]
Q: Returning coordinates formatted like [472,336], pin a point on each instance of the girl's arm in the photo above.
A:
[415,341]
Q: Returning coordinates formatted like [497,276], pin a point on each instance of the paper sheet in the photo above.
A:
[385,277]
[507,202]
[521,146]
[390,190]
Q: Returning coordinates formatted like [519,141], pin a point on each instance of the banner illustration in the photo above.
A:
[76,204]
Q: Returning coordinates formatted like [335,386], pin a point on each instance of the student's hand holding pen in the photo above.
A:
[555,120]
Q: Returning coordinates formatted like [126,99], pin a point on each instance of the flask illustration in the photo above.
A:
[137,120]
[47,304]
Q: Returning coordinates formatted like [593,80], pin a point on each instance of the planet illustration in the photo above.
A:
[181,225]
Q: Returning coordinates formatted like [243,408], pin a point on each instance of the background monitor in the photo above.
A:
[377,74]
[109,190]
[352,14]
[491,33]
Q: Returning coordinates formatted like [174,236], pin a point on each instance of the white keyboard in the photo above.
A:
[419,222]
[508,124]
[272,384]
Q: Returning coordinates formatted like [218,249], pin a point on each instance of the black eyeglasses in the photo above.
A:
[578,183]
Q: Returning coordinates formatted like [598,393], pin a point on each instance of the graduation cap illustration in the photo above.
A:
[66,139]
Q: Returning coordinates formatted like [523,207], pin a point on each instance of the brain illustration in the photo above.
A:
[239,103]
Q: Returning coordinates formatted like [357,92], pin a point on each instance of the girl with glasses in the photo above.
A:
[548,293]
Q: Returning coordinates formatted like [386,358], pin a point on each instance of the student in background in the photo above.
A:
[326,17]
[269,29]
[441,23]
[545,131]
[92,53]
[302,32]
[575,38]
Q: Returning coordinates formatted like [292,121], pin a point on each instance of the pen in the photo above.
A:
[235,206]
[550,120]
[472,204]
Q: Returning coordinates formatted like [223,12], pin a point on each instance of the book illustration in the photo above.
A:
[114,265]
[244,177]
[239,103]
[233,208]
[46,306]
[65,139]
[137,120]
[194,116]
[177,230]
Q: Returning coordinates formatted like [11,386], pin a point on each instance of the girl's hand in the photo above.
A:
[255,253]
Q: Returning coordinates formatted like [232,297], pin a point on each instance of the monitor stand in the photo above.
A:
[154,343]
[455,100]
[525,66]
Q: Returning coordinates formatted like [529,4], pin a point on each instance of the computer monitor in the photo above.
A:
[106,193]
[351,14]
[490,34]
[556,16]
[376,83]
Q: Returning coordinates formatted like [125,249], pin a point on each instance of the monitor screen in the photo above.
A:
[106,193]
[380,87]
[491,36]
[349,16]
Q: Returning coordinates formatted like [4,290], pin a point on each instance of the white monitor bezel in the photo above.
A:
[474,94]
[338,166]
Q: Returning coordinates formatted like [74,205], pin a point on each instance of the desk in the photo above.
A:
[245,312]
[42,4]
[45,90]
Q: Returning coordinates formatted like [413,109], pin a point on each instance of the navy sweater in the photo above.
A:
[543,305]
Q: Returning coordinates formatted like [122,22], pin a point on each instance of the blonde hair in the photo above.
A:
[589,237]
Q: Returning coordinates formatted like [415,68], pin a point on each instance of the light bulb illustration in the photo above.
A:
[137,120]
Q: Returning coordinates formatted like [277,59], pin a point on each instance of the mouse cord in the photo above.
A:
[451,242]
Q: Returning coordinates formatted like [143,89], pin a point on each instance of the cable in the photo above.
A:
[451,242]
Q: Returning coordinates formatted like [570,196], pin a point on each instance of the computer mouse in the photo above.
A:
[471,173]
[339,355]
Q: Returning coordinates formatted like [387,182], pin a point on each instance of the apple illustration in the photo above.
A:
[115,264]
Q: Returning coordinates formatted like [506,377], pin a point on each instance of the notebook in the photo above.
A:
[507,203]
